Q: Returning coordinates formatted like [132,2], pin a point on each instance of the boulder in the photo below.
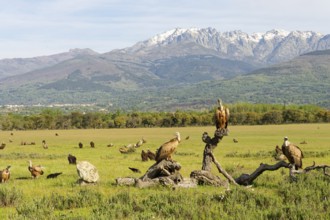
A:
[87,172]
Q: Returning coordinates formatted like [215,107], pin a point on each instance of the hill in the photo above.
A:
[181,68]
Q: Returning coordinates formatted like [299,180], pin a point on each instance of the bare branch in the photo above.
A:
[222,171]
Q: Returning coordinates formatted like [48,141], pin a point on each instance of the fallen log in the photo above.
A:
[247,179]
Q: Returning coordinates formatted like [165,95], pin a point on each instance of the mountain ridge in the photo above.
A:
[176,61]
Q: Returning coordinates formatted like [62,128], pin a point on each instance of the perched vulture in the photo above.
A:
[5,175]
[80,145]
[165,150]
[293,153]
[92,144]
[35,170]
[221,116]
[72,159]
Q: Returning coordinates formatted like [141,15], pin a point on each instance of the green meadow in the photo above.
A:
[272,196]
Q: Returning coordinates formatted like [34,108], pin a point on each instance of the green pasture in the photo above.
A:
[271,197]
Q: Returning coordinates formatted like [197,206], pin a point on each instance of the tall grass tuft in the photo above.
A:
[9,197]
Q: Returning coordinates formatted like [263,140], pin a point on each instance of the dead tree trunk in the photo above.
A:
[208,158]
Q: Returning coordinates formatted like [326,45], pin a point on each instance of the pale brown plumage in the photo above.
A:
[293,153]
[165,150]
[35,170]
[5,175]
[221,116]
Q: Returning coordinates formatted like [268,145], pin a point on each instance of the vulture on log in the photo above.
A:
[293,153]
[221,116]
[165,150]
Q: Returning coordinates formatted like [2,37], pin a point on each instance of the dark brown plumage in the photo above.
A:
[144,155]
[72,159]
[35,170]
[92,144]
[165,150]
[221,116]
[2,146]
[80,145]
[151,155]
[135,170]
[53,175]
[293,153]
[5,175]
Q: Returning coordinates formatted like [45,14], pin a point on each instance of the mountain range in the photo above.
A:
[181,68]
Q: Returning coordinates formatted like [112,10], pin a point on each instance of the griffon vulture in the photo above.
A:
[35,170]
[221,116]
[72,159]
[165,150]
[5,175]
[293,153]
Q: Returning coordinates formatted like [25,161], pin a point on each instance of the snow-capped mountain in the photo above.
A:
[271,47]
[173,67]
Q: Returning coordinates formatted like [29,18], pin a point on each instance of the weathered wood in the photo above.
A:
[314,167]
[204,177]
[247,179]
[211,143]
[164,168]
[208,157]
[222,170]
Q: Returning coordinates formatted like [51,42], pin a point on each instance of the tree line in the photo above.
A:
[240,114]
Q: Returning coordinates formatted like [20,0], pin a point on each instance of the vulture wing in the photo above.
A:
[227,117]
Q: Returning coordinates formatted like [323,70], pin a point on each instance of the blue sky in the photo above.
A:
[31,28]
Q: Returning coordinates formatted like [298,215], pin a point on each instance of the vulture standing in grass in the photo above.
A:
[35,170]
[151,155]
[165,150]
[144,156]
[5,175]
[72,159]
[293,153]
[221,116]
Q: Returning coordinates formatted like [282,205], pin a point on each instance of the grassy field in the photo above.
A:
[271,197]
